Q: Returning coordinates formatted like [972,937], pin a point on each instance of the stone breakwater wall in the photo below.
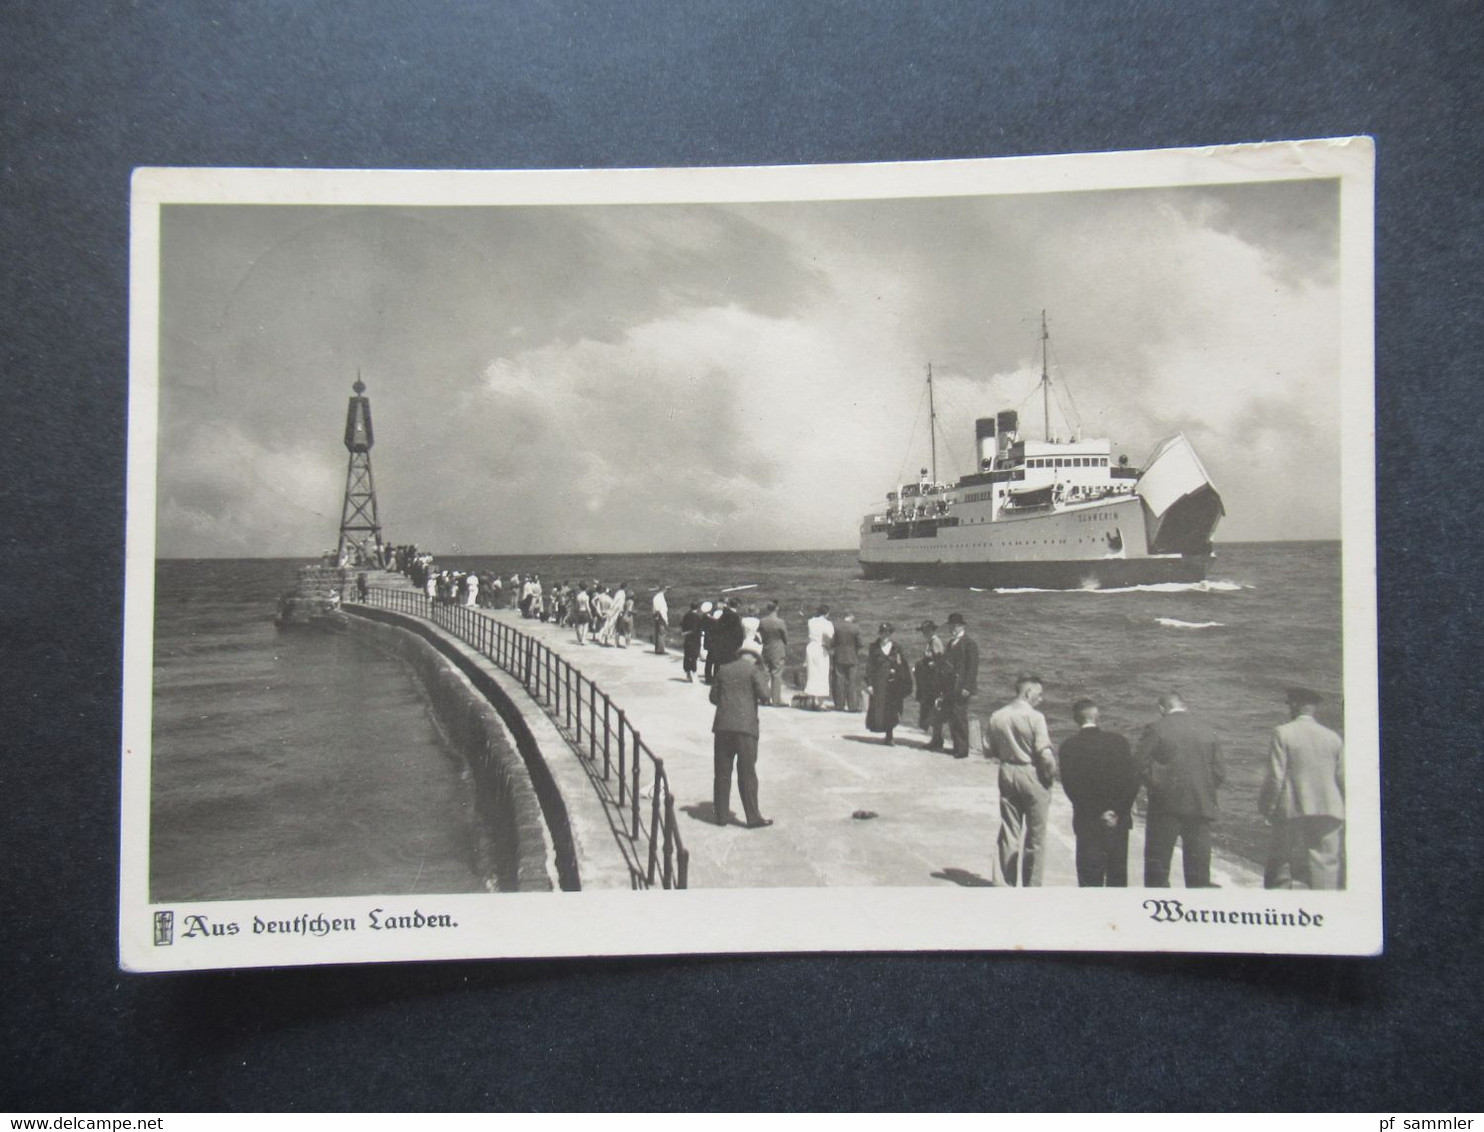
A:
[519,805]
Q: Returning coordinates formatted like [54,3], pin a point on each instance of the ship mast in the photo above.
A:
[1045,380]
[932,424]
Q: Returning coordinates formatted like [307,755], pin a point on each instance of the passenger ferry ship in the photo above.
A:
[1051,513]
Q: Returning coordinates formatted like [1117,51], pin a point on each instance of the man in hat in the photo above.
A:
[1019,741]
[1101,780]
[738,688]
[1303,797]
[1181,763]
[960,682]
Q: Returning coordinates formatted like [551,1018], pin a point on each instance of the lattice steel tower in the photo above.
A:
[360,529]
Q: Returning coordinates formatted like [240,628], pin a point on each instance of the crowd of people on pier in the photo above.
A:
[740,649]
[1177,762]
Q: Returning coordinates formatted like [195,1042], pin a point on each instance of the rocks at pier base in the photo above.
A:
[314,602]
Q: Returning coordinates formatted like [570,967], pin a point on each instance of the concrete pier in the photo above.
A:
[936,817]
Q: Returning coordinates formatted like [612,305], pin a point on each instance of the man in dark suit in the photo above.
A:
[847,691]
[1101,780]
[1181,764]
[960,682]
[690,633]
[738,688]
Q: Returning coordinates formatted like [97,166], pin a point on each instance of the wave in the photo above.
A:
[1173,623]
[1209,587]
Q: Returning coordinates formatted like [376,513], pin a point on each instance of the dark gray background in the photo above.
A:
[88,91]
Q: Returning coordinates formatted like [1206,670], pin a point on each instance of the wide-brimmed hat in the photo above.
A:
[706,607]
[955,619]
[928,627]
[887,627]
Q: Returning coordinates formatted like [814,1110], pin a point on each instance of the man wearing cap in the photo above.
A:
[1180,759]
[960,681]
[1101,780]
[738,688]
[1303,797]
[846,659]
[1018,739]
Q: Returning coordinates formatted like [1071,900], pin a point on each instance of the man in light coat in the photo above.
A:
[1019,741]
[1303,798]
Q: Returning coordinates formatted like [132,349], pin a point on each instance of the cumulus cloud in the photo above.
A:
[225,494]
[727,377]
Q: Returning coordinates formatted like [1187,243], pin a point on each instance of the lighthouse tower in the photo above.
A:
[360,529]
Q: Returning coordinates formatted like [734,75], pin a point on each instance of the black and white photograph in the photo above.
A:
[963,555]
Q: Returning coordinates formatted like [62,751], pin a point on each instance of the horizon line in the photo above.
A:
[638,553]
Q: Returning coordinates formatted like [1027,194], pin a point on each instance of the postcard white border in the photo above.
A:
[769,920]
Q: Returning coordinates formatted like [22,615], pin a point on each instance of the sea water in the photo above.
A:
[292,763]
[306,763]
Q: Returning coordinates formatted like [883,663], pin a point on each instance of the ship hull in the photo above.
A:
[1106,573]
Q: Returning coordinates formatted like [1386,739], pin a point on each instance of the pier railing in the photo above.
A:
[598,729]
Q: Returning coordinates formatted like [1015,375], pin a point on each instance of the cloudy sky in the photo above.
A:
[727,377]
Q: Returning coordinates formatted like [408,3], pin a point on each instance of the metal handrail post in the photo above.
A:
[592,720]
[622,760]
[668,877]
[634,793]
[607,732]
[654,818]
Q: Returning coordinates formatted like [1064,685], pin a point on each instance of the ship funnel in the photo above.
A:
[1009,422]
[984,442]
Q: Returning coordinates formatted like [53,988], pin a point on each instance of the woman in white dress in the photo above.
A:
[817,654]
[607,635]
[750,626]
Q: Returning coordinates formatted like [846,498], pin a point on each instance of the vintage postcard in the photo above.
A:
[964,555]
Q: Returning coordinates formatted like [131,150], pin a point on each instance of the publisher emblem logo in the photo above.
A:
[164,929]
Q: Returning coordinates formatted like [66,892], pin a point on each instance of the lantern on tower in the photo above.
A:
[360,528]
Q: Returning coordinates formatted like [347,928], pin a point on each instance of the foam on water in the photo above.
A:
[1208,587]
[1176,623]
